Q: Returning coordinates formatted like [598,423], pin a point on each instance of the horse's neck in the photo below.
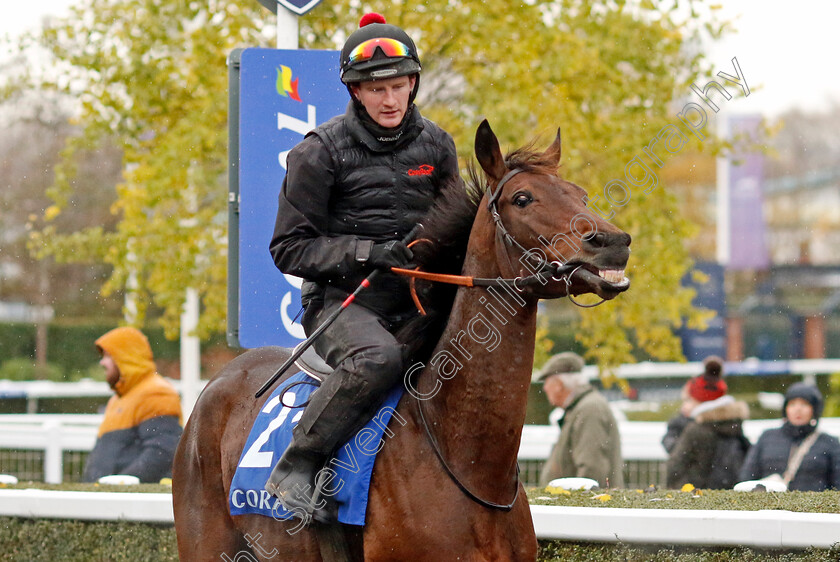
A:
[477,414]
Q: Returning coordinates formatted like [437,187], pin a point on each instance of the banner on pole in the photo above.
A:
[747,233]
[282,95]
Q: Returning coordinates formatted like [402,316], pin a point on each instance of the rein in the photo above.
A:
[454,477]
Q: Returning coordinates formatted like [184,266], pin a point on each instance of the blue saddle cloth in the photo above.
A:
[272,433]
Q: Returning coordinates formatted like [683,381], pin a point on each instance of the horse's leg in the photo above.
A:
[204,527]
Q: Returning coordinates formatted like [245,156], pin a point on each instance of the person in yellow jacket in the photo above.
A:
[142,423]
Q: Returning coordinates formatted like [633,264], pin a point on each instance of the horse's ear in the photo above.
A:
[488,152]
[552,153]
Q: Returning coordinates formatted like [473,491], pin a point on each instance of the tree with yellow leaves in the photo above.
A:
[150,74]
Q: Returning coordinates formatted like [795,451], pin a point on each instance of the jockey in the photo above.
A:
[354,187]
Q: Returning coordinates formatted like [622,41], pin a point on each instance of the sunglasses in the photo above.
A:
[391,47]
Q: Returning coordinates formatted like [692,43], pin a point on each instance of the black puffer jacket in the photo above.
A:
[710,451]
[346,190]
[820,469]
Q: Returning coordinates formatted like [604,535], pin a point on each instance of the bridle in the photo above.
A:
[557,270]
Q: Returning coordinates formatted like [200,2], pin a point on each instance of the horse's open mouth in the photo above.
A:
[606,283]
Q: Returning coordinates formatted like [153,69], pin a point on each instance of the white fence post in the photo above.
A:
[53,453]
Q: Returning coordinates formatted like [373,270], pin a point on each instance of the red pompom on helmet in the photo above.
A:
[371,17]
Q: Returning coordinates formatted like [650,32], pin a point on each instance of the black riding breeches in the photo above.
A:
[367,362]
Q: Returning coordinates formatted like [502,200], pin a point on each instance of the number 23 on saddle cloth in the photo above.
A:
[351,467]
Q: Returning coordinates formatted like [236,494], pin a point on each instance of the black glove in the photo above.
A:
[390,254]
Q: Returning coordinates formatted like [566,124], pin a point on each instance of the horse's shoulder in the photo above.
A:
[257,361]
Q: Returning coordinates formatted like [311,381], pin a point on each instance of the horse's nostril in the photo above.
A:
[597,239]
[603,239]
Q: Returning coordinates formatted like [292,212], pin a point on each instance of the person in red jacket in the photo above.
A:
[142,423]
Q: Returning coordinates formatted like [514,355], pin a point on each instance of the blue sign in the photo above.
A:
[698,345]
[283,94]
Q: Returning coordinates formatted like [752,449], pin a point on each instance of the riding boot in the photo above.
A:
[337,409]
[293,481]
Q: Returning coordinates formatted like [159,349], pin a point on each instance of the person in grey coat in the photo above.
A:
[820,467]
[589,444]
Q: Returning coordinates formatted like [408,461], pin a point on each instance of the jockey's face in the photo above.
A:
[386,101]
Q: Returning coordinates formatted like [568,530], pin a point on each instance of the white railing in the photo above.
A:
[51,433]
[56,433]
[33,391]
[757,529]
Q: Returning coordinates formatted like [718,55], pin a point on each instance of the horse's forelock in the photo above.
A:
[525,158]
[529,160]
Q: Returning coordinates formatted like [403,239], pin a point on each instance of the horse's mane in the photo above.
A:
[442,248]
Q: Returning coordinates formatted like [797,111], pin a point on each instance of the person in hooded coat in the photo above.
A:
[142,424]
[707,386]
[710,451]
[820,466]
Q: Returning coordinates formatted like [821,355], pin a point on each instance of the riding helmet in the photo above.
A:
[364,57]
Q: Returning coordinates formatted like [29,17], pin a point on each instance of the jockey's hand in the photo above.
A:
[392,253]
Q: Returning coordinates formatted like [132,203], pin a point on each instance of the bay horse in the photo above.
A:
[445,484]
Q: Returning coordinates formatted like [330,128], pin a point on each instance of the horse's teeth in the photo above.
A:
[612,275]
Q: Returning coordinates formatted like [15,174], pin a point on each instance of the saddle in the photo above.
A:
[312,364]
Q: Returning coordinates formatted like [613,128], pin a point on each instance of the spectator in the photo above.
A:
[711,450]
[803,457]
[142,423]
[702,388]
[589,445]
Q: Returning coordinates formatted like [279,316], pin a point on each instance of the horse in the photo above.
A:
[445,484]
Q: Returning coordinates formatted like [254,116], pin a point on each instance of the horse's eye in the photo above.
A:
[522,199]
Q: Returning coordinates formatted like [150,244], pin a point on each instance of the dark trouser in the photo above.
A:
[367,363]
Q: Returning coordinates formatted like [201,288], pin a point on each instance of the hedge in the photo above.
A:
[44,540]
[76,541]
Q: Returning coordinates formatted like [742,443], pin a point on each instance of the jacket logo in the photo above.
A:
[424,170]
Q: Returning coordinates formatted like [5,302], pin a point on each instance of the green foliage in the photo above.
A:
[563,551]
[71,346]
[44,540]
[151,77]
[811,502]
[832,400]
[21,369]
[17,340]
